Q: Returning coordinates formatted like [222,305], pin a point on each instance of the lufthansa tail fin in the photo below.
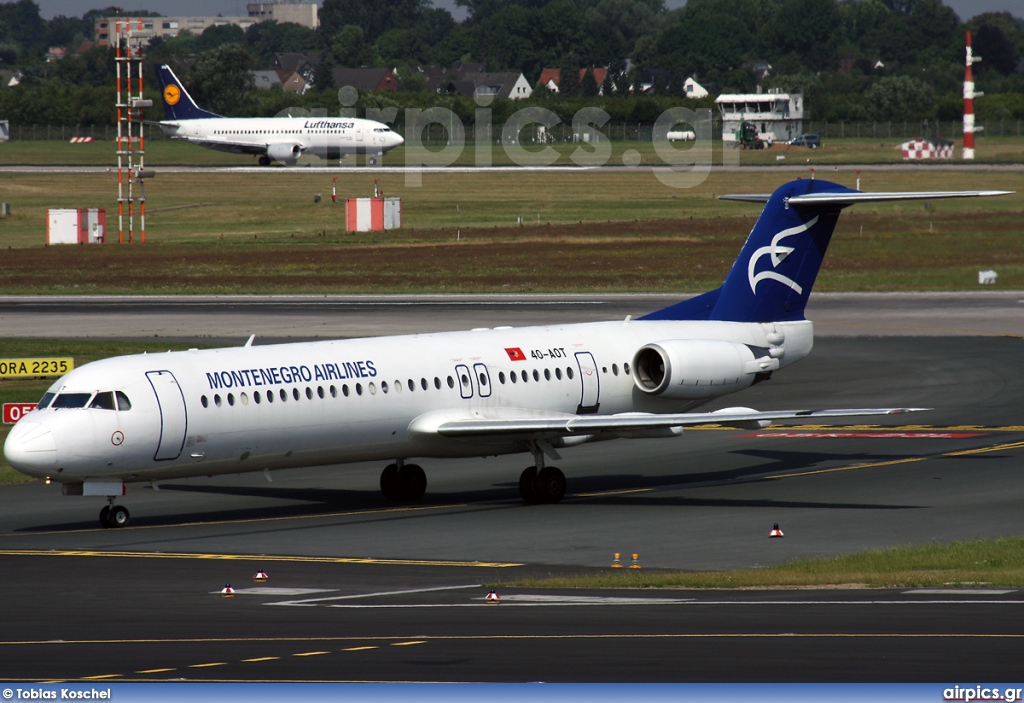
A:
[772,278]
[178,104]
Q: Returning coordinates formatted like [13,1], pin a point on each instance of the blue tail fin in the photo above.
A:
[178,104]
[774,273]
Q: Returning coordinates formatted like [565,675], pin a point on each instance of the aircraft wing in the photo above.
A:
[227,145]
[575,425]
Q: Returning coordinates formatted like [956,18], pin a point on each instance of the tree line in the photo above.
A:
[853,60]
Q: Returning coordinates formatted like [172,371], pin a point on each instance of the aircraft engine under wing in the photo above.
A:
[288,154]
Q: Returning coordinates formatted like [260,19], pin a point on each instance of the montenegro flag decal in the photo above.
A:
[515,353]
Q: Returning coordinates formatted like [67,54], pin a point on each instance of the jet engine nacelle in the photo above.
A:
[288,154]
[695,368]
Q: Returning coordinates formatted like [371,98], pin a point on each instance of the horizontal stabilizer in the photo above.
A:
[569,425]
[842,199]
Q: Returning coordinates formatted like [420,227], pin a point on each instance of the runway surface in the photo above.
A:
[375,592]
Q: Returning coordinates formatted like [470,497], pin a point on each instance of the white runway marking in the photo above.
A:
[960,591]
[274,591]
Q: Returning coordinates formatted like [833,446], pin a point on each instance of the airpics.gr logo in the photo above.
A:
[172,95]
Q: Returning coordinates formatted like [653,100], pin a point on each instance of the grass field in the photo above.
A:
[582,231]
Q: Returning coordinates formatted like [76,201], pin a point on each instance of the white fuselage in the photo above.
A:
[325,137]
[251,408]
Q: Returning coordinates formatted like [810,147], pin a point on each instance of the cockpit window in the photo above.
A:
[45,402]
[122,402]
[104,400]
[71,400]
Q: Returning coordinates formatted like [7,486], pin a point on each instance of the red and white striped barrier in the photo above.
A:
[926,149]
[80,140]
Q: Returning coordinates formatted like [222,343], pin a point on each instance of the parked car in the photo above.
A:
[812,141]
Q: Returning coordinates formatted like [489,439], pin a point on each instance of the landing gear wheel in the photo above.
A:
[373,161]
[118,516]
[526,480]
[114,516]
[412,482]
[549,486]
[264,160]
[389,485]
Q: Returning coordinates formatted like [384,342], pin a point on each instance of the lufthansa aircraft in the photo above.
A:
[282,139]
[481,392]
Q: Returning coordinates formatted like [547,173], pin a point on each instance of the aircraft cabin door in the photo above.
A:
[591,384]
[173,421]
[465,380]
[483,380]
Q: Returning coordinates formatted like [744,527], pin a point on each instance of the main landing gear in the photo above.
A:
[114,515]
[403,483]
[264,160]
[541,484]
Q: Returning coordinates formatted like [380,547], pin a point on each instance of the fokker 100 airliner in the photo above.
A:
[283,139]
[476,393]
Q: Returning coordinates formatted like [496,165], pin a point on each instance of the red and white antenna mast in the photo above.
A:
[969,96]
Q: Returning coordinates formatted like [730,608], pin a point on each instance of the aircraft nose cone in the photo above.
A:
[30,448]
[399,139]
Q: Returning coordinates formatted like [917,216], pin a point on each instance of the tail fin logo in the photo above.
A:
[172,95]
[778,254]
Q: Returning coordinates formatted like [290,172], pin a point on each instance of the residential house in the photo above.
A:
[365,78]
[549,78]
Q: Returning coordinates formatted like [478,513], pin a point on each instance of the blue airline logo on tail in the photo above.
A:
[778,254]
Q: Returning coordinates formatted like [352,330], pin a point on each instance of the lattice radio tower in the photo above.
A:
[130,103]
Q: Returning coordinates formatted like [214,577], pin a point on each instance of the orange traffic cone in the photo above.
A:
[616,562]
[776,532]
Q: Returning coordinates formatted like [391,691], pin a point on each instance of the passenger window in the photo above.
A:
[437,383]
[465,379]
[344,390]
[412,385]
[205,402]
[244,397]
[270,396]
[103,401]
[483,379]
[284,395]
[451,382]
[320,392]
[295,393]
[625,369]
[615,369]
[536,376]
[525,376]
[231,399]
[558,374]
[359,389]
[334,392]
[309,393]
[423,383]
[501,377]
[398,386]
[384,386]
[216,400]
[256,397]
[547,374]
[372,387]
[512,376]
[568,372]
[45,402]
